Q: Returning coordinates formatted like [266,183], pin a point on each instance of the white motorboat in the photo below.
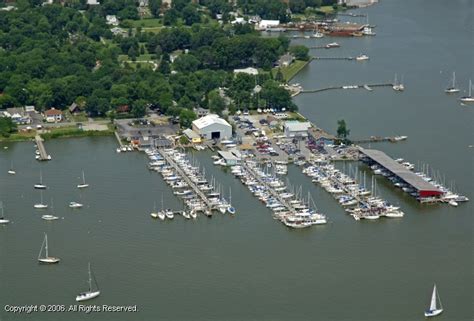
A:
[362,57]
[468,98]
[91,294]
[371,216]
[75,205]
[317,34]
[453,203]
[46,259]
[452,88]
[84,184]
[3,220]
[434,310]
[193,214]
[394,214]
[169,214]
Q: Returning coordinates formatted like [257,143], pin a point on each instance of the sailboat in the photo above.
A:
[230,209]
[161,213]
[88,295]
[46,259]
[434,310]
[3,220]
[41,205]
[469,98]
[398,86]
[154,214]
[11,171]
[40,185]
[83,185]
[452,89]
[50,217]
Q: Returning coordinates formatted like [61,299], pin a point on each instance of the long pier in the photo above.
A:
[345,87]
[118,138]
[333,58]
[184,176]
[269,188]
[43,155]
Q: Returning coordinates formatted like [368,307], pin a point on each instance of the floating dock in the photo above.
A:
[210,206]
[307,91]
[43,155]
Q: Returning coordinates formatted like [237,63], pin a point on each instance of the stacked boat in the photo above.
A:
[288,207]
[358,201]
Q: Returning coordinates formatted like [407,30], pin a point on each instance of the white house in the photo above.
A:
[112,20]
[53,115]
[248,71]
[296,129]
[212,127]
[239,20]
[93,2]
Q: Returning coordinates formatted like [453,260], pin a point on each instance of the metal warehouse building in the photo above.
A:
[212,127]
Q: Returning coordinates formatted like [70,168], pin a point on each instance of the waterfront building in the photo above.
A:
[296,129]
[53,115]
[212,127]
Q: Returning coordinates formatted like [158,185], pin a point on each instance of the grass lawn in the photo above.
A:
[146,23]
[326,9]
[292,70]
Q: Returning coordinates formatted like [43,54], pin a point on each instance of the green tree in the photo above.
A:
[342,130]
[191,15]
[186,117]
[279,76]
[139,108]
[7,126]
[216,102]
[300,52]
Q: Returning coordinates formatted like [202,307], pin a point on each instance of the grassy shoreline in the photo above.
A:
[292,70]
[67,132]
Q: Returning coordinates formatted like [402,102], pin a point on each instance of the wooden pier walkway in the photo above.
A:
[270,189]
[375,139]
[345,87]
[43,155]
[118,138]
[184,176]
[333,58]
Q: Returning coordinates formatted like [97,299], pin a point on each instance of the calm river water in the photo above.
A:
[250,267]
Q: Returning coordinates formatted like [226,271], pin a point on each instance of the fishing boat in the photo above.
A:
[46,259]
[91,294]
[3,220]
[41,205]
[469,98]
[75,205]
[84,184]
[40,185]
[452,88]
[11,171]
[434,310]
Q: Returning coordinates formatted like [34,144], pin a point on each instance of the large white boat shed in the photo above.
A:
[212,127]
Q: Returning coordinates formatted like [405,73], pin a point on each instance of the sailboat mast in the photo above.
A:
[41,249]
[454,79]
[46,244]
[90,278]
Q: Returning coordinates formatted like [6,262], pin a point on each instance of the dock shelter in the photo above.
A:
[424,189]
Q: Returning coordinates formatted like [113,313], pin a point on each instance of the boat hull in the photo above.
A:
[49,260]
[87,296]
[433,313]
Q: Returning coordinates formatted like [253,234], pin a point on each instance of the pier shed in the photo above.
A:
[296,129]
[423,188]
[230,159]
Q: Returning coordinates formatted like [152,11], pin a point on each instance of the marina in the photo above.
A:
[380,267]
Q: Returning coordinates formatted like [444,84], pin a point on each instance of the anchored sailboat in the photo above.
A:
[84,184]
[398,86]
[3,220]
[40,185]
[452,89]
[50,217]
[11,171]
[46,259]
[469,98]
[41,205]
[88,295]
[230,209]
[434,310]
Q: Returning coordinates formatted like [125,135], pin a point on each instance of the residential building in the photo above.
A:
[74,109]
[248,71]
[53,115]
[285,60]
